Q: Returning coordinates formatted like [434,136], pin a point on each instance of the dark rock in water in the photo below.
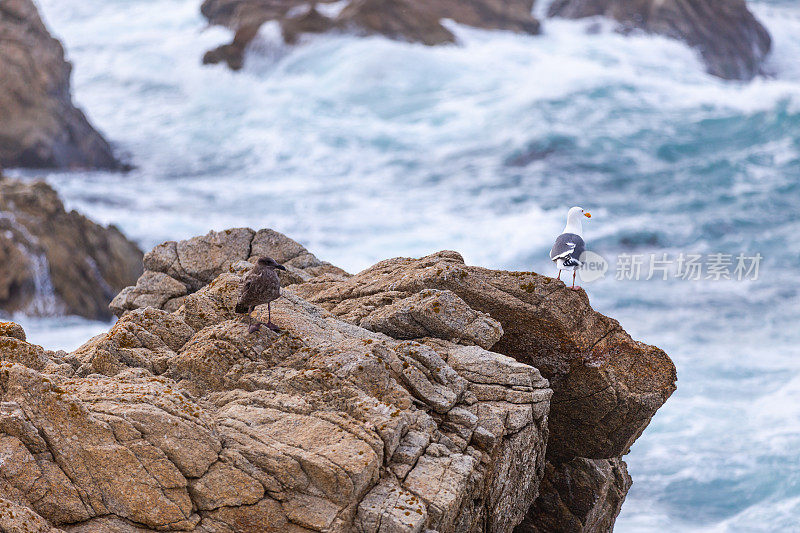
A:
[731,40]
[39,125]
[408,20]
[453,321]
[55,262]
[580,496]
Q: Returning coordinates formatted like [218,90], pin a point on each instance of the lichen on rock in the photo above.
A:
[179,420]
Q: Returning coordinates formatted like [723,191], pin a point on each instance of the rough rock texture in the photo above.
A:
[55,261]
[384,413]
[579,496]
[183,421]
[731,40]
[607,386]
[16,518]
[409,20]
[39,125]
[174,270]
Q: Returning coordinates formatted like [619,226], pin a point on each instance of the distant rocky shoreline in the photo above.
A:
[58,262]
[417,395]
[40,127]
[730,40]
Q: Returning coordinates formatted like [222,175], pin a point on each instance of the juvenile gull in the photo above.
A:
[261,286]
[569,246]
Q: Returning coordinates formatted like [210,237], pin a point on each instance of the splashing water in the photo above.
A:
[44,301]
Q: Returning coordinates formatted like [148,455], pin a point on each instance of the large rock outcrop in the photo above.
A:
[731,40]
[607,386]
[173,270]
[408,20]
[183,421]
[39,125]
[56,261]
[386,406]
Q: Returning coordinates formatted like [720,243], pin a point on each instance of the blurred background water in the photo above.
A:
[366,148]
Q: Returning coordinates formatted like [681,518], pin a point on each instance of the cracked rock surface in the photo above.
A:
[384,404]
[173,270]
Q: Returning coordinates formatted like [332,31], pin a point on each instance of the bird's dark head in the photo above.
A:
[270,263]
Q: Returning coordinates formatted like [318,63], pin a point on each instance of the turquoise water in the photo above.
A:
[367,148]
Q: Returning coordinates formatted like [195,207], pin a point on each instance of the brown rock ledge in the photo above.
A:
[407,20]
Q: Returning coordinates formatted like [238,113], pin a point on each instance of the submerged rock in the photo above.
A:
[39,125]
[407,20]
[368,412]
[731,40]
[56,261]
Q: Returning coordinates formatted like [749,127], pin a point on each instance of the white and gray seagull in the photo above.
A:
[569,246]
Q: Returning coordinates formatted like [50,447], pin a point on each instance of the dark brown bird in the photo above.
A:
[260,286]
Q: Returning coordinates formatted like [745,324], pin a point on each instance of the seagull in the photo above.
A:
[569,246]
[261,286]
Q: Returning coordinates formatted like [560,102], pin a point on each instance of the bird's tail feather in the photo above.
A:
[241,309]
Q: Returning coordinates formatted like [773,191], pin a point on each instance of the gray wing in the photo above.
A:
[568,246]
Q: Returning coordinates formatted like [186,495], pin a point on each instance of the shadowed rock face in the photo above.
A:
[407,20]
[39,125]
[383,407]
[55,261]
[730,39]
[579,496]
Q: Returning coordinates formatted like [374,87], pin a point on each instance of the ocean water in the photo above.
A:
[365,148]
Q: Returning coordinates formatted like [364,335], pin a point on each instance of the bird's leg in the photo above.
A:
[252,328]
[559,275]
[574,288]
[270,325]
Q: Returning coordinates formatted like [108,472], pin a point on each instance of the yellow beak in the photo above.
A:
[587,215]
